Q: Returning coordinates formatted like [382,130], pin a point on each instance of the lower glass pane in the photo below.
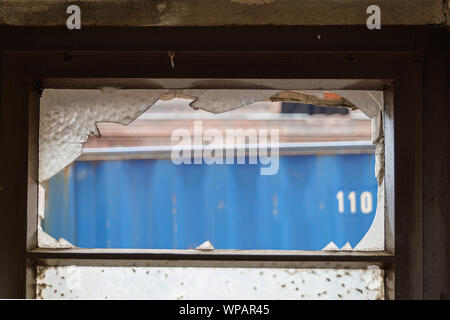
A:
[82,282]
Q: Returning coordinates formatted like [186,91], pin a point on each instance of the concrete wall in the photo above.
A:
[222,12]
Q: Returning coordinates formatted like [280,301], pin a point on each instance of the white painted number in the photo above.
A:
[352,198]
[340,197]
[365,202]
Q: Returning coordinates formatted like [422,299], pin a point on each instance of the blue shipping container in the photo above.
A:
[153,203]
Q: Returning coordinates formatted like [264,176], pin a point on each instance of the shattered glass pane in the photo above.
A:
[106,163]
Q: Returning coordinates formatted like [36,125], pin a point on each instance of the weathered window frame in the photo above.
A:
[24,74]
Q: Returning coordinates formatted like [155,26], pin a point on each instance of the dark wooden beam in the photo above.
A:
[408,180]
[251,38]
[16,172]
[436,168]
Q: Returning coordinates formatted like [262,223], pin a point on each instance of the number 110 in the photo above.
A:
[365,202]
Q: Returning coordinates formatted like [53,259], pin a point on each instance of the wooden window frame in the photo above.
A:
[24,73]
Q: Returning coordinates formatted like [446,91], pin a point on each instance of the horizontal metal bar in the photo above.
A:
[224,258]
[258,116]
[296,148]
[217,83]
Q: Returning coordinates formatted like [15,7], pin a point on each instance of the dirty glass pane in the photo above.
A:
[311,186]
[80,282]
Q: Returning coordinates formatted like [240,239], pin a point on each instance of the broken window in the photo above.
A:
[214,170]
